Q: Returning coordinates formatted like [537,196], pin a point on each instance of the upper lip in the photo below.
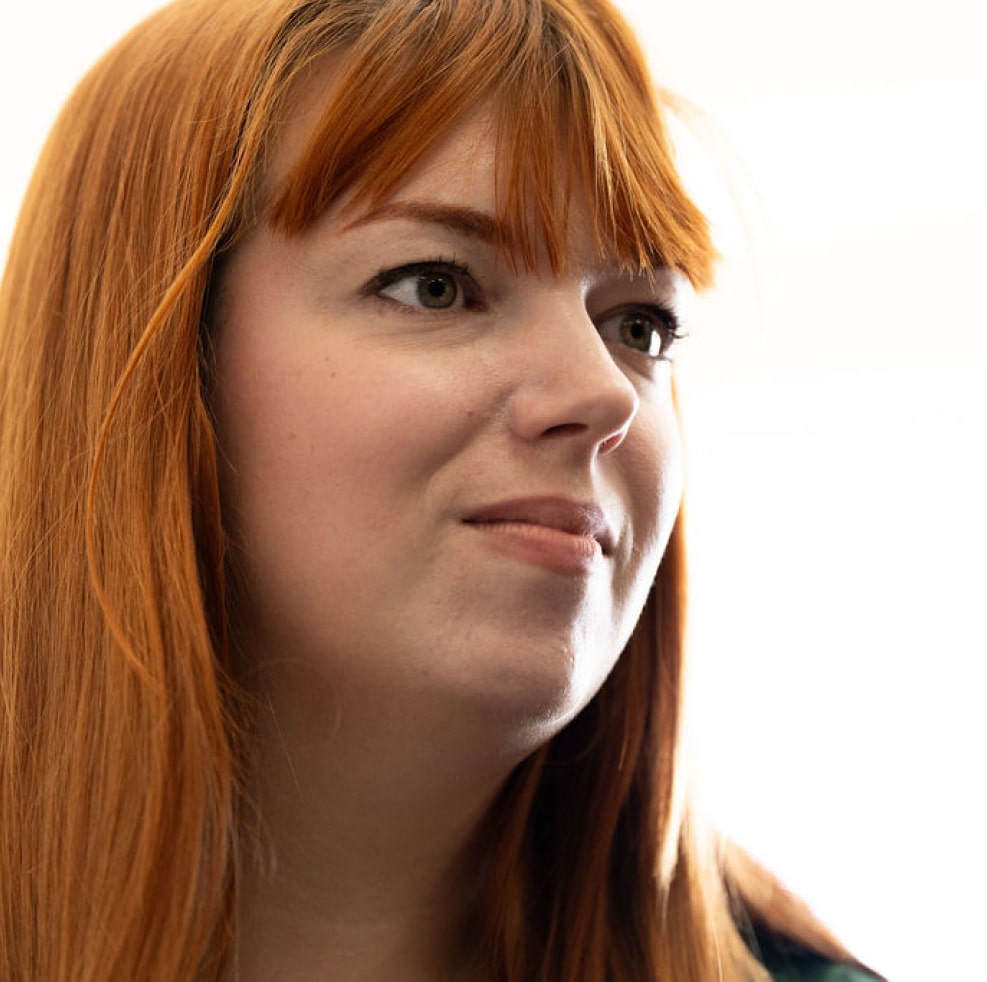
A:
[564,514]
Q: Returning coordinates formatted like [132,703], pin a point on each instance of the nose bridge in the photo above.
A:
[568,381]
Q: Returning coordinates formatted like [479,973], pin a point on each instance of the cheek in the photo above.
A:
[316,462]
[655,472]
[303,452]
[652,470]
[330,454]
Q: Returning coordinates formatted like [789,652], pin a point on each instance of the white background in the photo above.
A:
[835,408]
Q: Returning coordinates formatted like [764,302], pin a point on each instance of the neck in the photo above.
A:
[366,863]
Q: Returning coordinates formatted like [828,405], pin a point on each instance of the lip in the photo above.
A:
[550,531]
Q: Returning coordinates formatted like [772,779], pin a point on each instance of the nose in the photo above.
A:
[570,387]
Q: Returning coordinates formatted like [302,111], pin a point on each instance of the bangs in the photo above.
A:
[576,116]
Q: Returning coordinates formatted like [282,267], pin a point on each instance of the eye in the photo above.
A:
[438,285]
[651,330]
[435,290]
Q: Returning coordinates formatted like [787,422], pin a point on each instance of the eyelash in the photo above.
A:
[667,323]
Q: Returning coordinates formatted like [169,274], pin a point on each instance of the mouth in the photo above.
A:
[578,520]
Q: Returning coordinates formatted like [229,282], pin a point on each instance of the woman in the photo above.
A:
[342,461]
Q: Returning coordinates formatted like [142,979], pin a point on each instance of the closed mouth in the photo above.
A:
[561,514]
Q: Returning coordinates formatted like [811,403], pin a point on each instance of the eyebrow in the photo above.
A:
[462,219]
[466,221]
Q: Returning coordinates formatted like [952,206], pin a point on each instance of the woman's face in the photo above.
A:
[448,485]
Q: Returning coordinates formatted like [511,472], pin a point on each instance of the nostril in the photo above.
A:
[565,429]
[611,442]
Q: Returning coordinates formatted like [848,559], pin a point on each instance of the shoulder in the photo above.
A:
[816,970]
[780,930]
[788,961]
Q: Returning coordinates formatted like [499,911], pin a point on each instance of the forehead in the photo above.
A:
[331,152]
[298,121]
[455,183]
[459,169]
[578,128]
[469,140]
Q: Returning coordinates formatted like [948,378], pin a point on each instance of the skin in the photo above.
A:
[406,657]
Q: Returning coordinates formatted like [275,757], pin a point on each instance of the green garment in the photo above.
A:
[788,961]
[823,972]
[812,968]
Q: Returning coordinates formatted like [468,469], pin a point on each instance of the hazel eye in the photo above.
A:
[435,286]
[436,290]
[650,330]
[638,332]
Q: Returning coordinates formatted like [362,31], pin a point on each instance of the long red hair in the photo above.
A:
[122,731]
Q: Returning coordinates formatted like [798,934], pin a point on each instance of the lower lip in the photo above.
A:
[540,545]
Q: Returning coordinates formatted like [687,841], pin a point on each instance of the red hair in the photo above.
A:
[122,730]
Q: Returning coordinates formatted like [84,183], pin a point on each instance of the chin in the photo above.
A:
[536,691]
